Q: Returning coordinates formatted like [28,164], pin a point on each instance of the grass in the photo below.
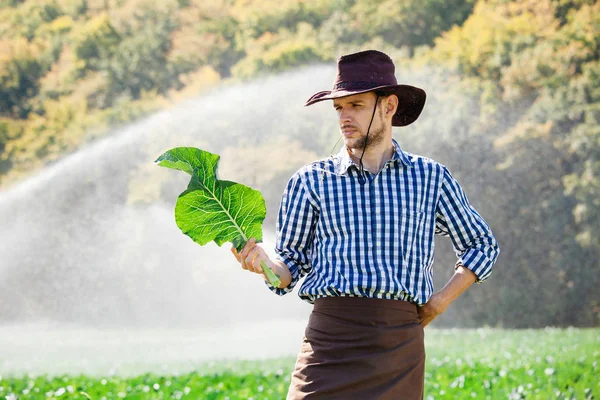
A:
[461,364]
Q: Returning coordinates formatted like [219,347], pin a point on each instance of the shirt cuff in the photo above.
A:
[475,261]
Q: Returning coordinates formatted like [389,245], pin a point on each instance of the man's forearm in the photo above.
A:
[281,269]
[460,281]
[437,304]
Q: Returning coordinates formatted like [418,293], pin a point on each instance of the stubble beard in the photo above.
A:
[375,137]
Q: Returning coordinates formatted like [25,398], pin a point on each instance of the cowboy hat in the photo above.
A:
[373,71]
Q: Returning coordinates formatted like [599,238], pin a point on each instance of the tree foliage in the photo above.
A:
[408,23]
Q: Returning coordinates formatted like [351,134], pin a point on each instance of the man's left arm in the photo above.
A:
[475,246]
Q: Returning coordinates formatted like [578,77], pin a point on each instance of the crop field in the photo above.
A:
[461,364]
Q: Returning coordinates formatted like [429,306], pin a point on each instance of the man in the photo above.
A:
[360,227]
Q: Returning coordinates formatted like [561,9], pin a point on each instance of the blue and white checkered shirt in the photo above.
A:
[377,239]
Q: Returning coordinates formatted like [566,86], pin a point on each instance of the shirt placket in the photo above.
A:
[376,233]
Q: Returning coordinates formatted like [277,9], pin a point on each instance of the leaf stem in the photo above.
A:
[271,276]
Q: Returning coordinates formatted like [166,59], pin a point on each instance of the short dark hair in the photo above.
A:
[381,94]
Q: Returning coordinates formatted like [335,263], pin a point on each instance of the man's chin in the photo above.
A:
[354,143]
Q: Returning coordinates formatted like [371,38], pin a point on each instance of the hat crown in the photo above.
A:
[364,70]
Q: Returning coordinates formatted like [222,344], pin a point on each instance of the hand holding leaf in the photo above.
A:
[212,209]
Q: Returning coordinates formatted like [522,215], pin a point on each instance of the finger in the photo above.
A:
[247,262]
[252,260]
[249,246]
[257,262]
[235,253]
[424,316]
[244,263]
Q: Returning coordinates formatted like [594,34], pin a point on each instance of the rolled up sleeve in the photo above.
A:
[472,239]
[296,221]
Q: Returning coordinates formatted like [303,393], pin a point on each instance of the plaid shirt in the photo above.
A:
[377,239]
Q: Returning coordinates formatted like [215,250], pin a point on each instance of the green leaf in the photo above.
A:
[212,209]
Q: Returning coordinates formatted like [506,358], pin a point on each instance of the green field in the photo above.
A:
[461,364]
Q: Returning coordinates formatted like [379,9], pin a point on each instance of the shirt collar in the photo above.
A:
[343,160]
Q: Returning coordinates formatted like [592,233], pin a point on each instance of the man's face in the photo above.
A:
[354,114]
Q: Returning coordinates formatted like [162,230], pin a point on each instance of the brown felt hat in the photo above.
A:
[373,71]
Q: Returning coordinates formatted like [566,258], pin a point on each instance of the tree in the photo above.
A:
[409,23]
[20,71]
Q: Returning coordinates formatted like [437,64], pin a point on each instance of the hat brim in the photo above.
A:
[411,100]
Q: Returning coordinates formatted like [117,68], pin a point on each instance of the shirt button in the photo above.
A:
[377,210]
[378,244]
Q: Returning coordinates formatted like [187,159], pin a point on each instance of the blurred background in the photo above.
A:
[93,91]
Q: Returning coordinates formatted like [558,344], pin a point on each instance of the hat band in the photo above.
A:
[357,85]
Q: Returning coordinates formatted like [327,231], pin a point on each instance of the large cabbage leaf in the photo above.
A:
[215,210]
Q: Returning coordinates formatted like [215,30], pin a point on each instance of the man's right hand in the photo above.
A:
[251,256]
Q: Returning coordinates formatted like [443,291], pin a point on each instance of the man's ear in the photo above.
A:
[391,105]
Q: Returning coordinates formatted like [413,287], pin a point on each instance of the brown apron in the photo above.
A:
[360,348]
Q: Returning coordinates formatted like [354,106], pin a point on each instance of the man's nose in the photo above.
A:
[345,116]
